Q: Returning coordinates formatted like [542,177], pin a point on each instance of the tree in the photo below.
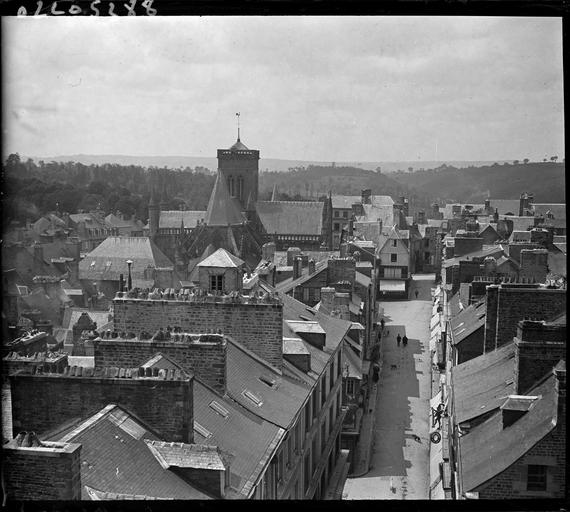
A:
[515,162]
[410,169]
[525,161]
[553,158]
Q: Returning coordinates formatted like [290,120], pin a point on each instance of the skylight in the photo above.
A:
[249,395]
[222,411]
[302,317]
[267,380]
[204,432]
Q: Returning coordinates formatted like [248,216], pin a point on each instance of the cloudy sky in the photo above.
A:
[313,88]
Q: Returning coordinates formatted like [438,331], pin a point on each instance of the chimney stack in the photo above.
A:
[297,267]
[268,251]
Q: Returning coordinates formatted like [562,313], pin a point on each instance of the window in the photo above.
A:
[345,215]
[307,471]
[426,242]
[231,186]
[392,272]
[393,258]
[280,465]
[315,399]
[350,387]
[331,417]
[323,436]
[394,243]
[308,416]
[336,226]
[339,362]
[240,188]
[332,374]
[536,478]
[314,457]
[216,283]
[324,388]
[336,213]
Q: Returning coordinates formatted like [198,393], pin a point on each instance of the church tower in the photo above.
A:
[239,167]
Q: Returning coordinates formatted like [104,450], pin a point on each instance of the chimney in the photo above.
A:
[435,209]
[36,470]
[534,264]
[268,251]
[422,217]
[538,348]
[327,298]
[292,253]
[365,196]
[297,267]
[496,216]
[311,266]
[121,283]
[487,205]
[560,374]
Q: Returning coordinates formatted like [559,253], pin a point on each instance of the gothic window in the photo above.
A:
[240,187]
[231,186]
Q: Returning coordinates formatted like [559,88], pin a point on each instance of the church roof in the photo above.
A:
[222,209]
[221,258]
[291,217]
[239,146]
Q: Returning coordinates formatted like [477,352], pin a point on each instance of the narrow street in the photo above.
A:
[399,467]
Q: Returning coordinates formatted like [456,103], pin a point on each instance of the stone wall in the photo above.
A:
[341,269]
[204,356]
[508,304]
[43,402]
[52,473]
[259,327]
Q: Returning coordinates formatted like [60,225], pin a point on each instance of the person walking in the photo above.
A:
[398,339]
[417,294]
[405,340]
[382,324]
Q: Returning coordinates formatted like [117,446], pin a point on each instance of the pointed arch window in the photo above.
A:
[240,187]
[231,186]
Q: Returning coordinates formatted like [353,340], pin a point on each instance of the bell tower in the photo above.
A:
[239,167]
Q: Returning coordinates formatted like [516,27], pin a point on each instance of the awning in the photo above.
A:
[435,335]
[356,325]
[392,286]
[434,321]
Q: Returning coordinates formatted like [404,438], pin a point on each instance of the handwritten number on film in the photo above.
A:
[95,11]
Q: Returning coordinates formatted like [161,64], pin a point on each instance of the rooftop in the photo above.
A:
[221,258]
[291,217]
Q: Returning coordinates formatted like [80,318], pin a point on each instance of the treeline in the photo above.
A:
[501,181]
[32,190]
[316,181]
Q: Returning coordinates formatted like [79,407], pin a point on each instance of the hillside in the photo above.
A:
[545,179]
[210,162]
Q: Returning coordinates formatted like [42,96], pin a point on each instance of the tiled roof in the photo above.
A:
[279,403]
[249,438]
[489,449]
[116,459]
[481,383]
[291,217]
[222,210]
[221,258]
[468,321]
[109,259]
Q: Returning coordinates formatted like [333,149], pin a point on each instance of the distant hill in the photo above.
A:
[545,179]
[265,164]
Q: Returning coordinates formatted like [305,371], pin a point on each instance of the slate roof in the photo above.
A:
[239,146]
[279,403]
[172,219]
[494,250]
[109,259]
[46,222]
[71,316]
[280,257]
[346,202]
[561,247]
[184,455]
[557,209]
[291,217]
[249,438]
[520,223]
[488,449]
[221,258]
[288,284]
[223,210]
[90,220]
[505,206]
[468,321]
[481,384]
[373,212]
[454,304]
[520,236]
[116,459]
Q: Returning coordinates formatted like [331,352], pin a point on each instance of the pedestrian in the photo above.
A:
[405,340]
[417,294]
[382,324]
[398,339]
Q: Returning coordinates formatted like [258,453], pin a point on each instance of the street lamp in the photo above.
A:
[129,278]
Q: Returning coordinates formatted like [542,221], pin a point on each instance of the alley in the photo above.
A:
[399,467]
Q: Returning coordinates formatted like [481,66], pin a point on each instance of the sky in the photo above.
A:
[309,88]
